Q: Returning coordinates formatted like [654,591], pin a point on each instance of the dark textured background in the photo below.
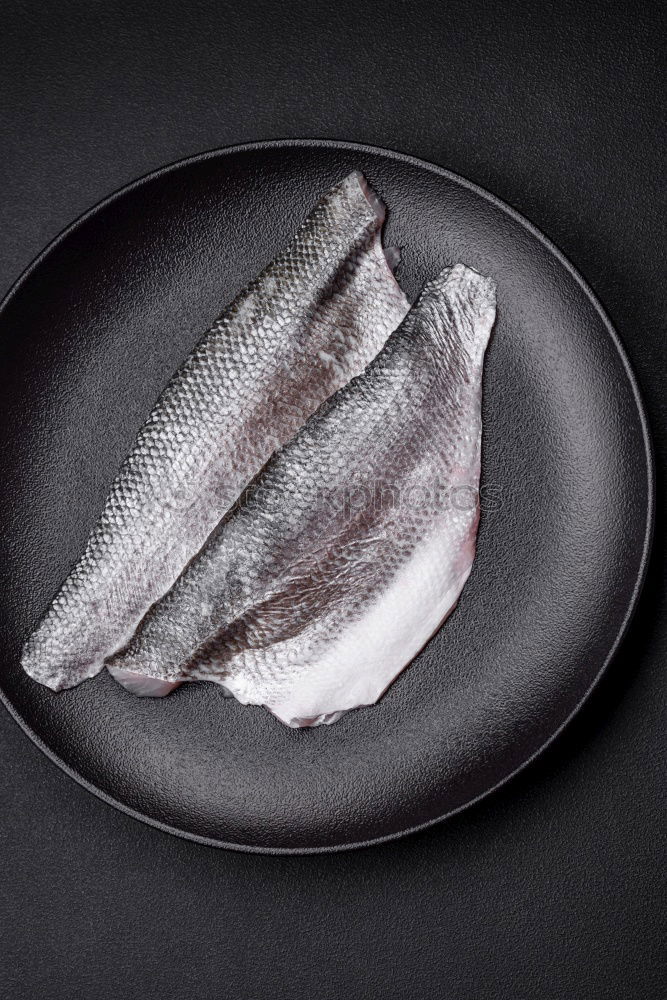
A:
[554,887]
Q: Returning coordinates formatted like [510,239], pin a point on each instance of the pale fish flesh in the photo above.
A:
[313,319]
[353,544]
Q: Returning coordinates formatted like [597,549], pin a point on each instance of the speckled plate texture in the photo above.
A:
[90,335]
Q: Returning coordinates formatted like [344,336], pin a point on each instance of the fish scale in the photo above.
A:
[307,603]
[250,383]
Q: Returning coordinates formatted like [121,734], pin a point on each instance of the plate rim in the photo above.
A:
[301,143]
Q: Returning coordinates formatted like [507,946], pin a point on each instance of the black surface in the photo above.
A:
[105,316]
[553,887]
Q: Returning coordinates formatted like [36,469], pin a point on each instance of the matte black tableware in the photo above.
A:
[90,335]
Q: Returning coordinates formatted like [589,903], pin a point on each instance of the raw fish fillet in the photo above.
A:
[313,319]
[352,545]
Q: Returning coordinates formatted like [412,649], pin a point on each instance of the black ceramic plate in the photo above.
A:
[90,335]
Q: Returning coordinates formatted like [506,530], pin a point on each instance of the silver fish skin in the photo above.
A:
[353,544]
[312,319]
